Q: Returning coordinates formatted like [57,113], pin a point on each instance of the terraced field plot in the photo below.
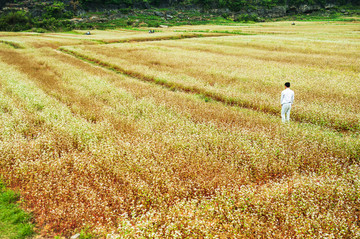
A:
[178,133]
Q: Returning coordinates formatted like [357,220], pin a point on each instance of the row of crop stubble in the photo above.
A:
[87,146]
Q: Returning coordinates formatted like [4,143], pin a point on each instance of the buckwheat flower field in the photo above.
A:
[178,134]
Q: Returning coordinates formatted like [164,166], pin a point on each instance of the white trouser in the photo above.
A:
[285,110]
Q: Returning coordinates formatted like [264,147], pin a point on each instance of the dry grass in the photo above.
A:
[115,36]
[56,40]
[89,147]
[248,74]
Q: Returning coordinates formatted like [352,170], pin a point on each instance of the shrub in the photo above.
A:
[39,30]
[125,10]
[129,22]
[53,24]
[247,18]
[15,21]
[153,24]
[57,10]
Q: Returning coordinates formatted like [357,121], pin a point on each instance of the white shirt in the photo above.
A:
[287,96]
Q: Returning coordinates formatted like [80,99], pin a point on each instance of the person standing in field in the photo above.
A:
[287,98]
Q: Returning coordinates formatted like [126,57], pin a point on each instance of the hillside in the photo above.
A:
[88,14]
[234,5]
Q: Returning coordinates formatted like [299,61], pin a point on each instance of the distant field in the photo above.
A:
[178,133]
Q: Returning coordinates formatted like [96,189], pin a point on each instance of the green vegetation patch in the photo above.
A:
[14,222]
[12,44]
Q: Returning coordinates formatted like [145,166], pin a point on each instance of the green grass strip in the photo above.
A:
[14,222]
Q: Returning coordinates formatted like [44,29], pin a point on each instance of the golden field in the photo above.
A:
[178,133]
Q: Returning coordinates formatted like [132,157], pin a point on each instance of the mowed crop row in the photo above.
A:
[249,71]
[88,147]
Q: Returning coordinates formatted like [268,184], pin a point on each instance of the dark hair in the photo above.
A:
[287,84]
